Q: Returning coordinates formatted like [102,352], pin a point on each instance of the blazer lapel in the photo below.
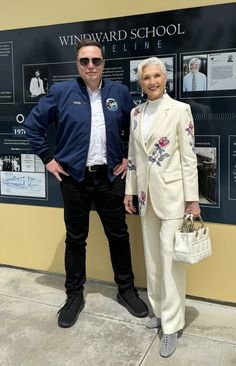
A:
[139,127]
[160,117]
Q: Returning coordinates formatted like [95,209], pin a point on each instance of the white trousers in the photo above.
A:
[165,277]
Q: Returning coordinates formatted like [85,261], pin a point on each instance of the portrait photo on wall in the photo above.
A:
[194,72]
[135,88]
[35,82]
[207,175]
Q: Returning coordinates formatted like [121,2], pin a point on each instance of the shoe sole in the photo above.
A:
[68,325]
[121,301]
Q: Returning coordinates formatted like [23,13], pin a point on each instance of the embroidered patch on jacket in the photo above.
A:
[111,104]
[159,154]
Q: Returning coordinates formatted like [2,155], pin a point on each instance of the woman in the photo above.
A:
[162,172]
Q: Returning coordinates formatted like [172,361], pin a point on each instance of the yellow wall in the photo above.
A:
[26,13]
[33,237]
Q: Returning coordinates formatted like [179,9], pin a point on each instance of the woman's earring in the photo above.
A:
[165,89]
[142,93]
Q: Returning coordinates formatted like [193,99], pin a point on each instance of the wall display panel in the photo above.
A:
[185,39]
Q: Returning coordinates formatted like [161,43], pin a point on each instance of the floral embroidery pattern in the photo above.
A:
[190,132]
[159,153]
[190,129]
[131,165]
[136,113]
[141,200]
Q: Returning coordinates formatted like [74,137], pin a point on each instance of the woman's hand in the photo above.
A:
[128,202]
[192,208]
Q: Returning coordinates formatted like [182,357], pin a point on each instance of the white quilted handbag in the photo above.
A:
[192,243]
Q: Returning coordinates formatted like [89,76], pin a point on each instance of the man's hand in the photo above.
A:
[128,202]
[121,168]
[55,168]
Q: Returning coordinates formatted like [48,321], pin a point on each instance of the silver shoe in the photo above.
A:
[153,323]
[168,344]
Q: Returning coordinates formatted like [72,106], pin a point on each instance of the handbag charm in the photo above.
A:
[192,242]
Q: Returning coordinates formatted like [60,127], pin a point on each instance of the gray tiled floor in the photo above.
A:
[105,333]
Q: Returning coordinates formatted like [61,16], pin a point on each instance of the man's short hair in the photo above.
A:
[89,42]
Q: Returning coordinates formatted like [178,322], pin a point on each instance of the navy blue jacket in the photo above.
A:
[68,106]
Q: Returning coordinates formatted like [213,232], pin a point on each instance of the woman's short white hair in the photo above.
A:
[151,61]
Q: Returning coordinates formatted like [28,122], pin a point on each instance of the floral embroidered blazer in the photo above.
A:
[165,167]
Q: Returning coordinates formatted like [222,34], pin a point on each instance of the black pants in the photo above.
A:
[108,200]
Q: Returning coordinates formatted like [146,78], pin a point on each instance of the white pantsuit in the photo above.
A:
[165,277]
[162,172]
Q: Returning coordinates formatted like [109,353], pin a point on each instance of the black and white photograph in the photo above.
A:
[35,82]
[207,175]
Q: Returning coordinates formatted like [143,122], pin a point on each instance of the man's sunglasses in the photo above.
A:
[84,61]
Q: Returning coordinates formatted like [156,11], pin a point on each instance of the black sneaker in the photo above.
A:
[133,303]
[69,313]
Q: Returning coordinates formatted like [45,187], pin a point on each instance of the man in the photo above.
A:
[194,80]
[36,85]
[92,116]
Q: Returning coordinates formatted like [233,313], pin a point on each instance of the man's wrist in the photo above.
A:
[46,158]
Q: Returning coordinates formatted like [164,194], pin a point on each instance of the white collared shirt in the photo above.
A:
[97,147]
[200,81]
